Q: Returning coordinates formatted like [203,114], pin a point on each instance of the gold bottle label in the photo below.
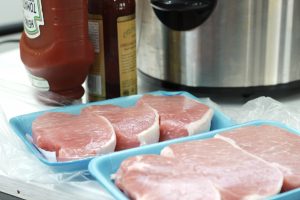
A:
[96,77]
[127,55]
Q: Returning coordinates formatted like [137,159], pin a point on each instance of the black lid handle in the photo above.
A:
[182,15]
[181,5]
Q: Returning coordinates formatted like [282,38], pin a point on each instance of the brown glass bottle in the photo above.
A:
[119,48]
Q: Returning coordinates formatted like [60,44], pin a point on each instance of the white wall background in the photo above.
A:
[10,11]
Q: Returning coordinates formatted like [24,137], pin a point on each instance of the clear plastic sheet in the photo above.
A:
[16,162]
[20,164]
[265,108]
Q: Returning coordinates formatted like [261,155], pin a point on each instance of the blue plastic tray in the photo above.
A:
[103,167]
[22,126]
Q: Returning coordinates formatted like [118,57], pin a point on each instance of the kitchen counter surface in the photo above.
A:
[17,98]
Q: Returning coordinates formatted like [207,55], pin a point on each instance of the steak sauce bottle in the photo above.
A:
[112,30]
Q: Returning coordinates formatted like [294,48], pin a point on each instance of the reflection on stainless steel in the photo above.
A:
[243,43]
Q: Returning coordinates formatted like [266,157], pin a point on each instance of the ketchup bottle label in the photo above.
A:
[39,83]
[33,17]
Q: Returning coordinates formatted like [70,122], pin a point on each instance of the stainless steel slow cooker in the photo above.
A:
[219,43]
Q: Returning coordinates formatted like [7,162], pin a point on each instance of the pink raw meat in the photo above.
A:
[179,116]
[153,177]
[236,173]
[134,126]
[274,145]
[73,136]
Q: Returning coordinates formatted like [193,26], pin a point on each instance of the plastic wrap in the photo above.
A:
[195,164]
[17,163]
[229,169]
[159,177]
[179,116]
[22,125]
[135,126]
[78,183]
[72,137]
[265,108]
[13,151]
[104,168]
[277,146]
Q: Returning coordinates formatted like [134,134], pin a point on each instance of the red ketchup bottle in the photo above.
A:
[55,48]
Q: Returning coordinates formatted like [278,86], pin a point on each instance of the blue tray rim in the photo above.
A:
[113,190]
[15,120]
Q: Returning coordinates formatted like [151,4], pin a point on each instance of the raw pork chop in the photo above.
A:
[179,116]
[134,126]
[73,136]
[274,145]
[154,177]
[236,173]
